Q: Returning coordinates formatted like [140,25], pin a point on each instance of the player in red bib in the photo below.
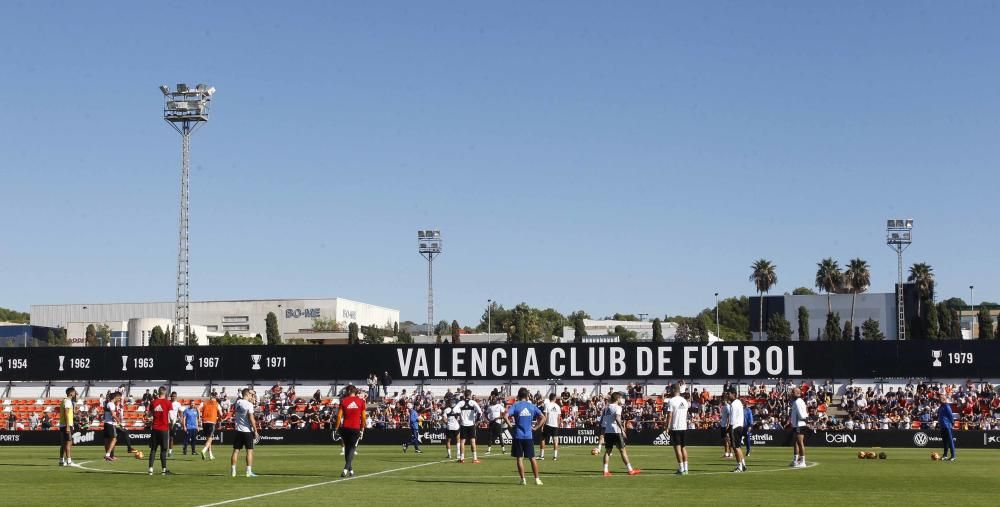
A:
[159,411]
[351,421]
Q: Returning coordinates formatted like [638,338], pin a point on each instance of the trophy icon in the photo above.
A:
[124,363]
[256,361]
[61,359]
[189,366]
[936,354]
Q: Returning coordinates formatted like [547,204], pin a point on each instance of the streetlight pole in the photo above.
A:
[718,330]
[972,304]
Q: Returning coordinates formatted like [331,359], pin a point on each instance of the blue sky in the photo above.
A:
[611,157]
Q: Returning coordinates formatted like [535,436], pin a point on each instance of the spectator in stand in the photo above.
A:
[12,422]
[372,387]
[33,421]
[386,382]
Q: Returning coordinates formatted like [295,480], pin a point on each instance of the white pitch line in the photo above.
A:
[324,483]
[80,465]
[644,473]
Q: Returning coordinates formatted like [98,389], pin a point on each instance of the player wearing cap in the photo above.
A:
[550,431]
[159,411]
[495,414]
[737,430]
[469,414]
[677,416]
[521,416]
[209,420]
[451,415]
[352,418]
[614,434]
[799,427]
[246,431]
[66,410]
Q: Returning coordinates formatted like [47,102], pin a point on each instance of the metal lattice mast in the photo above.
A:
[429,246]
[185,109]
[182,310]
[899,235]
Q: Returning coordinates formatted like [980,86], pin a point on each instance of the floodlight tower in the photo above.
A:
[185,109]
[898,235]
[429,246]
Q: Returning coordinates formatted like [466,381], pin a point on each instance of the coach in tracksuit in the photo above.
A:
[946,419]
[748,422]
[414,430]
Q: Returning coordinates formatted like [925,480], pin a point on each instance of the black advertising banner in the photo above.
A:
[809,360]
[913,439]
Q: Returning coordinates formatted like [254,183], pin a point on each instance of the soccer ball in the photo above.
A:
[882,455]
[594,451]
[871,455]
[861,454]
[138,454]
[935,456]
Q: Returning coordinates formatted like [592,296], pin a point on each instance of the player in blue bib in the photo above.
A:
[521,416]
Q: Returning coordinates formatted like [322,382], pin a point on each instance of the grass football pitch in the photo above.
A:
[310,475]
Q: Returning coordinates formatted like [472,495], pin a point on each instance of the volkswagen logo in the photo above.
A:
[920,439]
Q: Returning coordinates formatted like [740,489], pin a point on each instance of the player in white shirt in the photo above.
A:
[737,430]
[469,414]
[451,415]
[496,415]
[110,425]
[727,448]
[175,416]
[614,434]
[550,431]
[677,419]
[799,427]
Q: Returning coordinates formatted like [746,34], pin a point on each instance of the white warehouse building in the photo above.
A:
[208,318]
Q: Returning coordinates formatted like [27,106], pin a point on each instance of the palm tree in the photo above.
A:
[828,279]
[922,277]
[763,277]
[857,279]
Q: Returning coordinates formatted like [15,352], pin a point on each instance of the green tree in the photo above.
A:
[104,335]
[944,321]
[683,332]
[931,321]
[271,329]
[803,324]
[7,315]
[327,325]
[456,332]
[352,333]
[857,278]
[764,276]
[985,324]
[657,331]
[778,328]
[871,331]
[372,335]
[700,331]
[803,291]
[579,328]
[624,316]
[922,277]
[624,334]
[848,331]
[395,328]
[832,331]
[157,338]
[441,328]
[956,325]
[403,336]
[91,336]
[829,279]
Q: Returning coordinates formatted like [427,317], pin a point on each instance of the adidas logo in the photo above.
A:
[525,412]
[352,405]
[662,439]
